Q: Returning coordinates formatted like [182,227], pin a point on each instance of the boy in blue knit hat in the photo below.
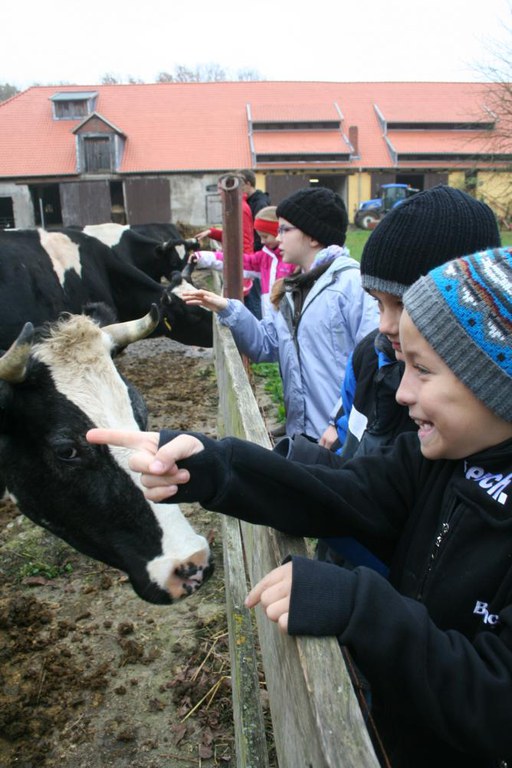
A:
[434,641]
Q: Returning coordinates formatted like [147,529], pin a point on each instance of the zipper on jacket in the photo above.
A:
[297,318]
[438,542]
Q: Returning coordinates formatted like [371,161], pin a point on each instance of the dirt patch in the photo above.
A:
[91,675]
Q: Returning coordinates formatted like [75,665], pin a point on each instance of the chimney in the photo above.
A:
[353,137]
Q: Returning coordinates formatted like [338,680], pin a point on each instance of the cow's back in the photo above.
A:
[43,274]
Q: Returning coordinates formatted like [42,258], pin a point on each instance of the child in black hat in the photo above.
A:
[319,313]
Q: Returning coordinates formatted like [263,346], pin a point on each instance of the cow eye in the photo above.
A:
[67,452]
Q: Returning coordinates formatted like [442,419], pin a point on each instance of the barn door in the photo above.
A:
[148,201]
[85,202]
[279,187]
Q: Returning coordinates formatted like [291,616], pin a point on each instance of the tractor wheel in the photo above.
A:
[368,221]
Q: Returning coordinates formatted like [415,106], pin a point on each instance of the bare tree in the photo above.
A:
[495,138]
[204,73]
[7,90]
[211,73]
[249,74]
[183,74]
[110,79]
[164,77]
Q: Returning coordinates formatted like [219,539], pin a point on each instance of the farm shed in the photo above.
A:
[76,155]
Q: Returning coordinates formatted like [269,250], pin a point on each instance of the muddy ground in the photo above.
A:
[90,675]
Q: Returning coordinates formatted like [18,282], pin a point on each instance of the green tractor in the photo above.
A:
[370,212]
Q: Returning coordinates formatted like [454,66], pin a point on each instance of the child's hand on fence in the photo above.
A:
[206,299]
[273,592]
[159,472]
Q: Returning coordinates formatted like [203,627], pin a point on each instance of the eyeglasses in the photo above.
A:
[282,229]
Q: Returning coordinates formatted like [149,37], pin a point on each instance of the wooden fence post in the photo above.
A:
[232,239]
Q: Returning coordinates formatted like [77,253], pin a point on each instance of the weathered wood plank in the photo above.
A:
[316,719]
[250,742]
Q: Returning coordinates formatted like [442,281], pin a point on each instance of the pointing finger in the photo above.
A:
[138,441]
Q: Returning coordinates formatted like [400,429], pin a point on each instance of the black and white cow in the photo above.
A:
[53,388]
[156,249]
[45,273]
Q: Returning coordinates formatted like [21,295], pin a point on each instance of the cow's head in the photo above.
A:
[52,390]
[184,322]
[173,254]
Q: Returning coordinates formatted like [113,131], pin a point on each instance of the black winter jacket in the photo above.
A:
[375,396]
[435,641]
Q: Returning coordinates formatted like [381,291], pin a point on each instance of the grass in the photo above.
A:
[273,384]
[356,239]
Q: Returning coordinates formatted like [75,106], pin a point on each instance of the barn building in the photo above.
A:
[77,155]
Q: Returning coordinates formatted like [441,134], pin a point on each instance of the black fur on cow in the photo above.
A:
[195,327]
[53,388]
[157,259]
[156,249]
[43,274]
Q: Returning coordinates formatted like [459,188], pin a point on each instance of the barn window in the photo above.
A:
[98,153]
[73,105]
[99,145]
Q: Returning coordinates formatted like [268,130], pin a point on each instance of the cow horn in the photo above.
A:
[123,334]
[14,363]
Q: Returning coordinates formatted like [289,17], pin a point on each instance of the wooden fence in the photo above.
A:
[316,720]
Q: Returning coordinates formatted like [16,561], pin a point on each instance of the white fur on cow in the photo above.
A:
[52,390]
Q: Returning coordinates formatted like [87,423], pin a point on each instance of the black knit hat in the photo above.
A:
[318,212]
[423,232]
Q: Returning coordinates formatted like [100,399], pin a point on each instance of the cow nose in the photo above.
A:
[189,575]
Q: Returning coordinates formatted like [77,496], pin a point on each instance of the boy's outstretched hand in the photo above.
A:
[206,299]
[160,475]
[273,592]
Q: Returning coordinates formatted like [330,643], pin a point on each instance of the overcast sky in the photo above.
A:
[347,40]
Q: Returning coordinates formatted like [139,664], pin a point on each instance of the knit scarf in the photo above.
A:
[299,283]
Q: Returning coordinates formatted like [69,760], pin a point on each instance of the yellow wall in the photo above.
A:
[493,187]
[359,188]
[260,181]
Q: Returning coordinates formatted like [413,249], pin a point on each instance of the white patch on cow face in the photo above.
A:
[63,253]
[88,377]
[91,381]
[180,250]
[183,286]
[109,233]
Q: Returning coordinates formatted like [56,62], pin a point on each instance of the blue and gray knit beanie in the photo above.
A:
[424,231]
[464,310]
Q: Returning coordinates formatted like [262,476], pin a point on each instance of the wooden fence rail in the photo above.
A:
[316,719]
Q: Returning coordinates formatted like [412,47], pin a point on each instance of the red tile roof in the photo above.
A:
[186,127]
[439,142]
